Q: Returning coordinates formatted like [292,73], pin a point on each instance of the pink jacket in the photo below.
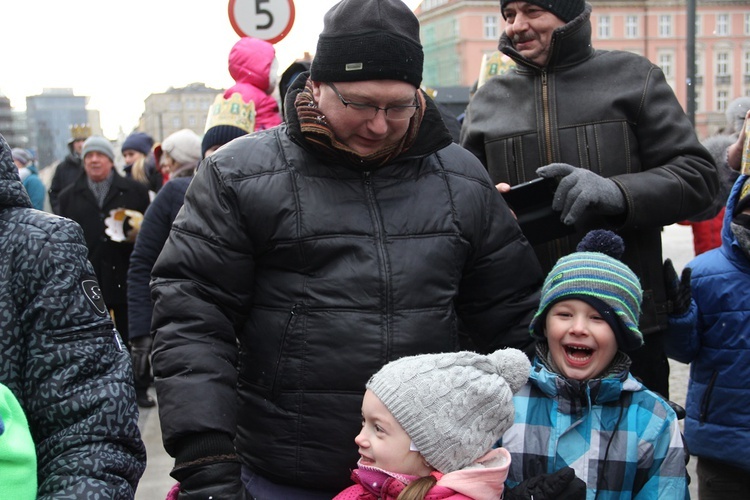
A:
[251,61]
[482,480]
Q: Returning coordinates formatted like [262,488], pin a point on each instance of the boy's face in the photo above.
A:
[580,341]
[383,443]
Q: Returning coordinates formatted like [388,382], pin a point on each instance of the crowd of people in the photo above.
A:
[335,300]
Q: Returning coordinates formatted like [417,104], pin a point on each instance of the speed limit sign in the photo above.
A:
[269,20]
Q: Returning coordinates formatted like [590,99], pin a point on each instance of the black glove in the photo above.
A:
[560,485]
[678,290]
[214,480]
[140,351]
[580,190]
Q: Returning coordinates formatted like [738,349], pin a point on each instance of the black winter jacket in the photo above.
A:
[323,272]
[157,222]
[60,355]
[109,258]
[611,112]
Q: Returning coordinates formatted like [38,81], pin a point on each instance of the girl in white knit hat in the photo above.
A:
[429,423]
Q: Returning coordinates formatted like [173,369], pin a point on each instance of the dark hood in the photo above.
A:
[12,192]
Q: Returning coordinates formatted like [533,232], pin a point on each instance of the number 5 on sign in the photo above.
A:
[269,20]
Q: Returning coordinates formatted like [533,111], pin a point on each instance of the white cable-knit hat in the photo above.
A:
[454,406]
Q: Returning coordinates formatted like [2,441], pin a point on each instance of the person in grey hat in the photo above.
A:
[606,128]
[309,255]
[97,201]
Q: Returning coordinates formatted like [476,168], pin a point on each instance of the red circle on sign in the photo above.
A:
[238,29]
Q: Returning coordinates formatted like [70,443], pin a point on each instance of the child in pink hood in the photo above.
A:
[429,423]
[253,65]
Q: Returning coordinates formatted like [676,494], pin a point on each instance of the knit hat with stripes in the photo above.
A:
[595,275]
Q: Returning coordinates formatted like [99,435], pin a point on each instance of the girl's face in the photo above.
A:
[131,155]
[384,444]
[581,342]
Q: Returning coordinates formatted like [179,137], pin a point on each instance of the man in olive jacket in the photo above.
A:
[355,234]
[608,127]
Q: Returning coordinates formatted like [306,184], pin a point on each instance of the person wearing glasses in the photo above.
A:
[309,255]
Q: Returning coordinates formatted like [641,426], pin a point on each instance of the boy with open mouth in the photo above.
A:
[581,406]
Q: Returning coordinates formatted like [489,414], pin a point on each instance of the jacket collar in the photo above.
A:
[571,45]
[582,392]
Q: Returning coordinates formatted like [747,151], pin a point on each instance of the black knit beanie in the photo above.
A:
[220,135]
[566,10]
[369,40]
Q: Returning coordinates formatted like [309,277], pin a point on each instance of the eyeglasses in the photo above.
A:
[370,111]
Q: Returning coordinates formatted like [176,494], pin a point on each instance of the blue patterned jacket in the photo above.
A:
[561,422]
[60,355]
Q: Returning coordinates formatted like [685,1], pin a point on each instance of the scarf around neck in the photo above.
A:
[319,134]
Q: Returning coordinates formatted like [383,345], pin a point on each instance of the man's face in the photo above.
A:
[530,28]
[97,166]
[78,145]
[364,131]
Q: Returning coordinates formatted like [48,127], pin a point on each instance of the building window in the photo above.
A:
[722,99]
[747,24]
[722,24]
[698,23]
[491,28]
[746,66]
[631,26]
[665,25]
[722,64]
[666,64]
[176,123]
[192,121]
[698,68]
[604,27]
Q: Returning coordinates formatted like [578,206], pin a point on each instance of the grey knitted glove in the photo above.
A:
[580,190]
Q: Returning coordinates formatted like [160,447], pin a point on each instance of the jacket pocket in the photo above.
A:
[706,400]
[289,331]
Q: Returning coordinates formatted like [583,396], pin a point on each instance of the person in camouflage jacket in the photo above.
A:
[61,356]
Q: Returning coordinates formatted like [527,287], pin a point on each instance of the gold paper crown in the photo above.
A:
[80,132]
[233,111]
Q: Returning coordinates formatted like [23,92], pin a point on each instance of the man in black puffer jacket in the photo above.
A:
[355,234]
[61,356]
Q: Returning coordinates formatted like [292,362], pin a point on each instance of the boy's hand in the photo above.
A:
[679,293]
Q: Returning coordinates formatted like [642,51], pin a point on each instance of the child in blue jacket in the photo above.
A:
[712,333]
[581,407]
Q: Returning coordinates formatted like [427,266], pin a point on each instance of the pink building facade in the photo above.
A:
[457,33]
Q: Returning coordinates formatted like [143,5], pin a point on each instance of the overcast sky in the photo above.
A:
[118,52]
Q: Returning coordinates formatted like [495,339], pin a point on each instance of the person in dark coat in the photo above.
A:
[109,208]
[71,167]
[180,151]
[308,255]
[606,128]
[60,355]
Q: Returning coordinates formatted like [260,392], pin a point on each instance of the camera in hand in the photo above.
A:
[532,204]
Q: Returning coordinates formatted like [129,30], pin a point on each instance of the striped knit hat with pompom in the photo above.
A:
[595,275]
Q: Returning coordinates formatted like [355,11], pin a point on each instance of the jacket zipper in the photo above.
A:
[382,252]
[707,397]
[546,117]
[291,323]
